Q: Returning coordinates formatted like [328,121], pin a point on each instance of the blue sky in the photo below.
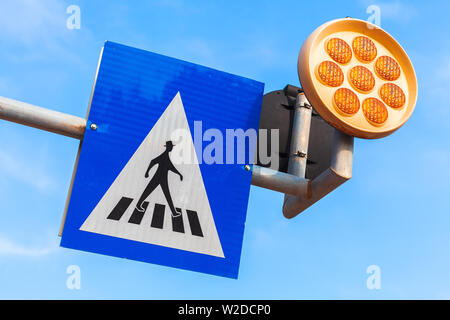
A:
[393,213]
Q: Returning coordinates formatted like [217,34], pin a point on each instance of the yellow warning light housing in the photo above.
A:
[358,78]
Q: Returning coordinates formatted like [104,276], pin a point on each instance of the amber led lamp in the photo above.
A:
[392,95]
[346,101]
[375,111]
[339,50]
[358,78]
[364,48]
[361,78]
[387,68]
[330,74]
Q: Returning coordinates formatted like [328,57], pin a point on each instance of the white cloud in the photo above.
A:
[8,247]
[441,74]
[196,49]
[395,11]
[6,86]
[3,84]
[37,29]
[26,172]
[434,79]
[173,4]
[29,21]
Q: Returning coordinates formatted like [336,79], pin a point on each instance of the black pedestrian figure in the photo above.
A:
[160,178]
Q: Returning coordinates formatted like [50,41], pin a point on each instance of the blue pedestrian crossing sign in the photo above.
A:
[160,176]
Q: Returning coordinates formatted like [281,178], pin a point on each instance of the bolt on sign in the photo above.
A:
[358,78]
[133,195]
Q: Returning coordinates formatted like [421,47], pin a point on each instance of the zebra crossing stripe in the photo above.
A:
[137,216]
[196,230]
[158,216]
[120,208]
[177,222]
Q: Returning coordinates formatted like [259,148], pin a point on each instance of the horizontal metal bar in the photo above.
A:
[339,172]
[41,118]
[301,192]
[281,182]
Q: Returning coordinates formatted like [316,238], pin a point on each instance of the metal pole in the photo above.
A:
[74,127]
[292,183]
[41,118]
[339,172]
[300,136]
[300,193]
[280,181]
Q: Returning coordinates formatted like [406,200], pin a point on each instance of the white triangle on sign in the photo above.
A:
[188,194]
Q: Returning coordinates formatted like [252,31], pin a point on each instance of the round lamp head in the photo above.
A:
[358,78]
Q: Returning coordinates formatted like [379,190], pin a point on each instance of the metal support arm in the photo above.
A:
[339,172]
[72,126]
[41,118]
[281,182]
[300,193]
